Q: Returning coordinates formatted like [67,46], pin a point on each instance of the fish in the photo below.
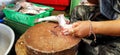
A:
[29,8]
[59,18]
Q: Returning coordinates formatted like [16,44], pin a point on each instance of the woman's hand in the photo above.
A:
[79,29]
[84,28]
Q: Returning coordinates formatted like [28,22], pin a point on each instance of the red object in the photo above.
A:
[57,4]
[58,7]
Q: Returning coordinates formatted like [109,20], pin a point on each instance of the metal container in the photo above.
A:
[6,39]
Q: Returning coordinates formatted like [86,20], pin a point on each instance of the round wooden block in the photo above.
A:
[46,39]
[20,46]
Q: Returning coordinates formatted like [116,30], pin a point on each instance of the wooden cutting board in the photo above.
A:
[20,46]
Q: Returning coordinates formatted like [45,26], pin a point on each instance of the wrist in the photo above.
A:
[92,29]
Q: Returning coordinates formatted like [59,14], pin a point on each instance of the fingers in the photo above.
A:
[65,32]
[68,31]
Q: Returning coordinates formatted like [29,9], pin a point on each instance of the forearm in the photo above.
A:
[111,28]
